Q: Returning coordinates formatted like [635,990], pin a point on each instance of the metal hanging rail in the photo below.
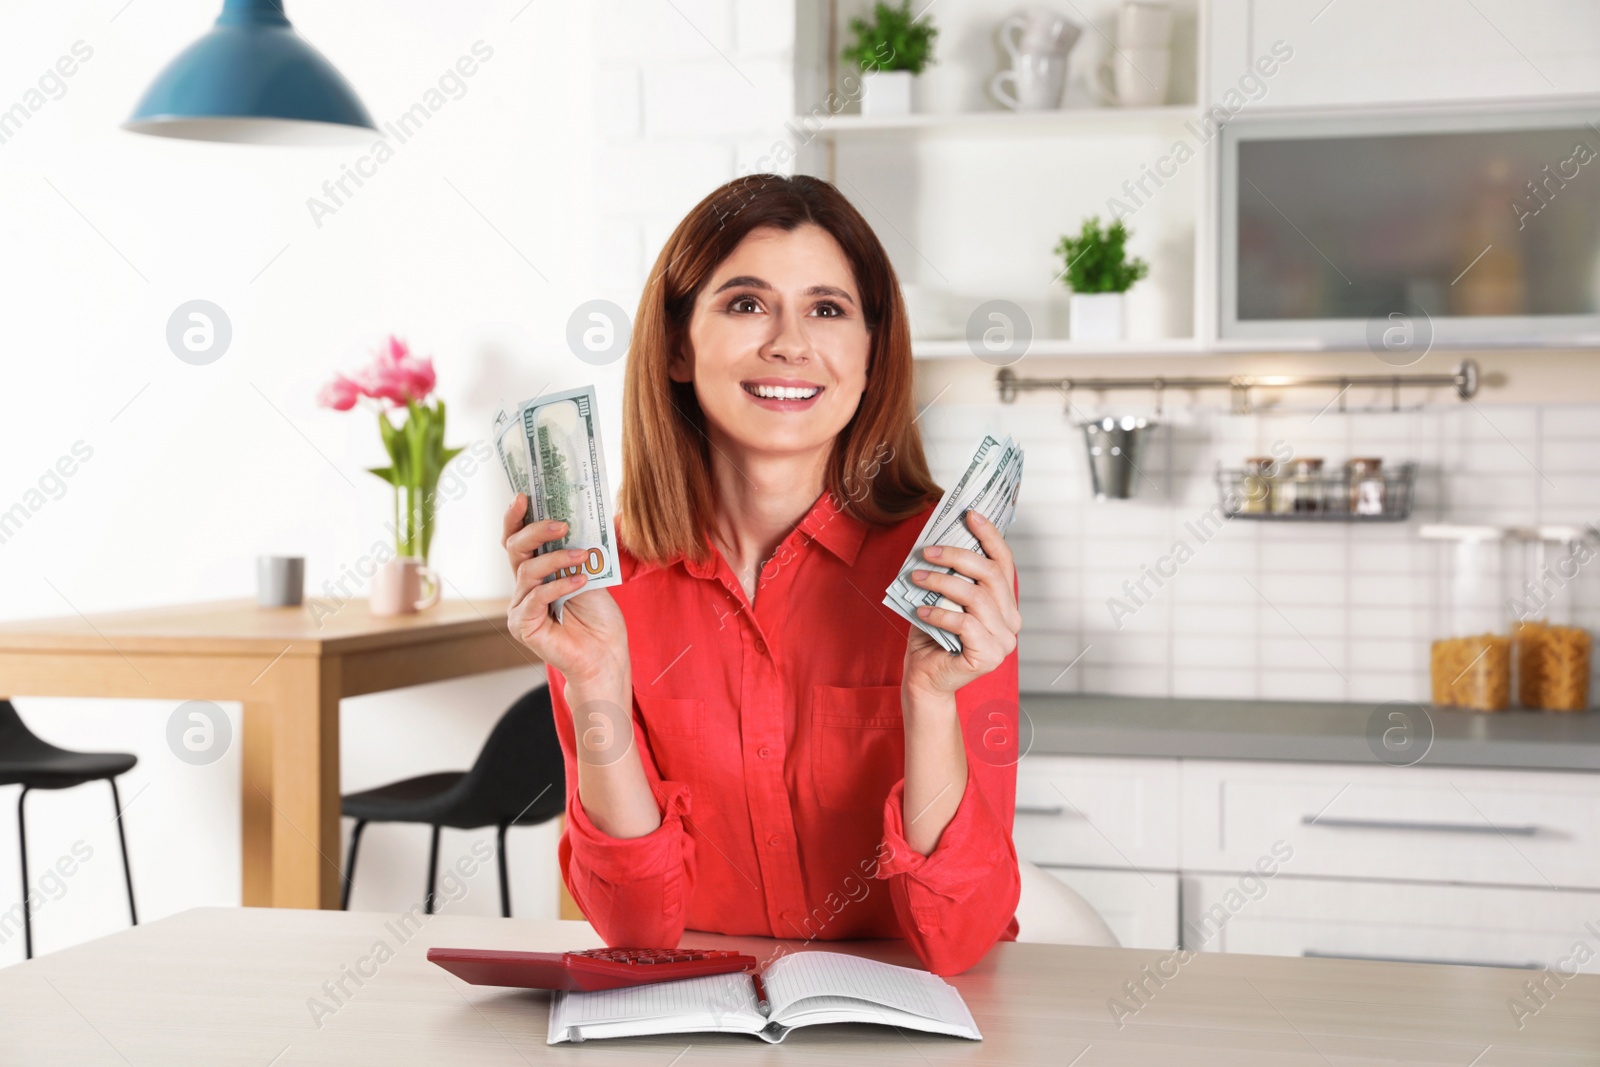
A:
[1464,379]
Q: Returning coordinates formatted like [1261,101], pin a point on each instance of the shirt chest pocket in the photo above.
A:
[676,729]
[858,747]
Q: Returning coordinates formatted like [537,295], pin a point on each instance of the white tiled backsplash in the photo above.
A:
[1315,611]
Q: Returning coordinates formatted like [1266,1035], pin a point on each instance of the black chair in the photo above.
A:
[33,763]
[518,780]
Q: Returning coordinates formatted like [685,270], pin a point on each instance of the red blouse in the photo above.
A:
[773,740]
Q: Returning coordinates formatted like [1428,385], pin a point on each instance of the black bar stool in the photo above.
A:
[33,763]
[518,780]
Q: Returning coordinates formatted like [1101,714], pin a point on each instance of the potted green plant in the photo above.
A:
[1098,270]
[890,49]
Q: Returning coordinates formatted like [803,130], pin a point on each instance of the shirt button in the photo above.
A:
[761,646]
[774,840]
[764,752]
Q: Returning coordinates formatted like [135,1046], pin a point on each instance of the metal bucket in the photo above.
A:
[1113,445]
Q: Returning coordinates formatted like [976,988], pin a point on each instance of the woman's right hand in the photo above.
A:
[590,644]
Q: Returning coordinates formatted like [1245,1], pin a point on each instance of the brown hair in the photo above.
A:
[877,471]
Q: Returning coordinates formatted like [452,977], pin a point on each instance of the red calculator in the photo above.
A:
[595,968]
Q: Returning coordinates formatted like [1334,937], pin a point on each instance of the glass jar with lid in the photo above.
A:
[1551,651]
[1366,490]
[1300,492]
[1470,663]
[1256,486]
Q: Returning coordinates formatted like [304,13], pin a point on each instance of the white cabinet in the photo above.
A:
[1428,864]
[1094,812]
[1140,907]
[1429,824]
[1378,51]
[1416,923]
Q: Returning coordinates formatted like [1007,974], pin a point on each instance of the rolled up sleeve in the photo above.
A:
[956,902]
[634,891]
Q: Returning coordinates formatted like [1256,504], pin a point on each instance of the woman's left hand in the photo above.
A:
[988,624]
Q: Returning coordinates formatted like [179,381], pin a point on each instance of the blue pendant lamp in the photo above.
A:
[252,80]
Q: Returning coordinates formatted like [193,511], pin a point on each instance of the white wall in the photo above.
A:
[549,183]
[195,470]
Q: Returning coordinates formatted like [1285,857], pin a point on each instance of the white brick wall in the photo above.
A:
[1272,610]
[689,93]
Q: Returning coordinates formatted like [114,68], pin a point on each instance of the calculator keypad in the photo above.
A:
[644,956]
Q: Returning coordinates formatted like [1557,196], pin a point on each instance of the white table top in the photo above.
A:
[221,986]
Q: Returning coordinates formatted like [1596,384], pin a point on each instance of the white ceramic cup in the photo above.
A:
[1038,29]
[280,581]
[1134,77]
[1143,24]
[1034,83]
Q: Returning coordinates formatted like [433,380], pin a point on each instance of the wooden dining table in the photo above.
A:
[289,668]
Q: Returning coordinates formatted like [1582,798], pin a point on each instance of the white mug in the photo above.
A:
[1034,83]
[1134,77]
[1143,24]
[1038,29]
[280,581]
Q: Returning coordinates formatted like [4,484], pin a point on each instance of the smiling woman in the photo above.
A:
[789,254]
[773,483]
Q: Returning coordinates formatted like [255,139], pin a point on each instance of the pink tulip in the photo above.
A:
[397,376]
[394,375]
[382,381]
[419,376]
[340,394]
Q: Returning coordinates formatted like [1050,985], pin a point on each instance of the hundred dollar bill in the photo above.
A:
[947,519]
[990,485]
[551,451]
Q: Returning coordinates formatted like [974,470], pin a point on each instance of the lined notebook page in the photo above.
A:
[834,974]
[728,998]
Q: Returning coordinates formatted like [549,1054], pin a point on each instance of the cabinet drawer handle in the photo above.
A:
[1313,954]
[1397,824]
[1034,809]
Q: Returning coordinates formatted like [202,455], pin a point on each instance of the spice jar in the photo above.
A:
[1367,490]
[1303,491]
[1256,488]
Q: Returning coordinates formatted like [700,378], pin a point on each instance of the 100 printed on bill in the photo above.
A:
[551,452]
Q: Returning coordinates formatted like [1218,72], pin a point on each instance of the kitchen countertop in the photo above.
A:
[1303,731]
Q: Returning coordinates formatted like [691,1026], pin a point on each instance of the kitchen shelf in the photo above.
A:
[1076,120]
[1330,491]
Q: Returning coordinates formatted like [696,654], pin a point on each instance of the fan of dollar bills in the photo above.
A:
[990,484]
[551,451]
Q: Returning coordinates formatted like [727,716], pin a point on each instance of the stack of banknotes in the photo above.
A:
[550,449]
[990,484]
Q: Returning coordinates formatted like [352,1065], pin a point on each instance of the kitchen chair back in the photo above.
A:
[517,780]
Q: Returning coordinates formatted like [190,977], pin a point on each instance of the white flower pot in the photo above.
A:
[1095,317]
[886,93]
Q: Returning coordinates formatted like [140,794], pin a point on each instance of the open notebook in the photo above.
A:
[804,989]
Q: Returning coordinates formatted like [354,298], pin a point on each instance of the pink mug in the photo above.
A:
[397,587]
